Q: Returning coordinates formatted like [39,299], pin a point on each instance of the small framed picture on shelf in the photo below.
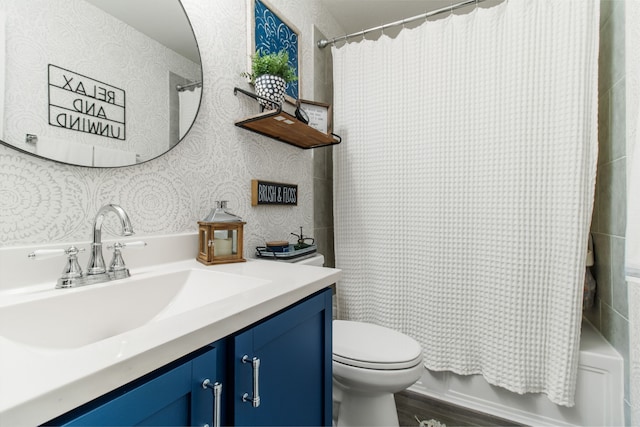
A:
[318,114]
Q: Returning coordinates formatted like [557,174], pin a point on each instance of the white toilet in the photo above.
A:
[370,364]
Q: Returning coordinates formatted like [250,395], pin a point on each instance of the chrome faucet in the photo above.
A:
[72,275]
[96,270]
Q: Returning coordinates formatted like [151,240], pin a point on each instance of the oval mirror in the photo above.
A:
[98,83]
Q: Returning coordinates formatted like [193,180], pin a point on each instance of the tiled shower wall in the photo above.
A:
[610,313]
[323,157]
[632,79]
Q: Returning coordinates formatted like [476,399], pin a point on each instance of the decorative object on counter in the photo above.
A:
[271,33]
[220,237]
[319,115]
[278,246]
[271,73]
[302,240]
[273,193]
[283,250]
[290,253]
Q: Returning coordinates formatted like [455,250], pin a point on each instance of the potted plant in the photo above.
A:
[270,73]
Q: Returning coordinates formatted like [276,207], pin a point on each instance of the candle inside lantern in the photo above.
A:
[222,247]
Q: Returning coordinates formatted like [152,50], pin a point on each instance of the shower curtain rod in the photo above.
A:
[324,43]
[180,88]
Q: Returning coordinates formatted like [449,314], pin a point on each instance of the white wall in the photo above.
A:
[42,201]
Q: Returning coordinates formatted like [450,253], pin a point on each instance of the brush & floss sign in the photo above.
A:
[273,193]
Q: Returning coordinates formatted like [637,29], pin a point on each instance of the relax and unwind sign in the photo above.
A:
[80,103]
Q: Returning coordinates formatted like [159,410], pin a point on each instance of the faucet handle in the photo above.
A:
[72,273]
[40,254]
[117,268]
[132,245]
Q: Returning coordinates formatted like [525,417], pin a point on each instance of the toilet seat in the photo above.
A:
[369,346]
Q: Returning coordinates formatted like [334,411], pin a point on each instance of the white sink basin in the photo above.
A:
[70,318]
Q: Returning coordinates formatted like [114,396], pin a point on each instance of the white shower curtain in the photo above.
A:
[3,76]
[464,187]
[189,103]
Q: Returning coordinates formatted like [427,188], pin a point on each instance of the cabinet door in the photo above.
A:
[165,398]
[294,374]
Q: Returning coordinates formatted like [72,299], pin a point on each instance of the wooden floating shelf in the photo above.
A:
[282,126]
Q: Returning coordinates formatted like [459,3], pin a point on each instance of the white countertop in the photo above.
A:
[38,384]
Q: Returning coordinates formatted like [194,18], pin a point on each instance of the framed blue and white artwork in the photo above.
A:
[270,32]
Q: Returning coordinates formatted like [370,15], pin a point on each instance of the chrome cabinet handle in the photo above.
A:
[255,363]
[217,396]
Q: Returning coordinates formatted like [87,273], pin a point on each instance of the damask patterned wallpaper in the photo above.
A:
[42,201]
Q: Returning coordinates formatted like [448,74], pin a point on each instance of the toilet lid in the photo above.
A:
[366,345]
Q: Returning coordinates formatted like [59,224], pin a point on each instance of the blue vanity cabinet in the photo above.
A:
[282,367]
[291,374]
[171,396]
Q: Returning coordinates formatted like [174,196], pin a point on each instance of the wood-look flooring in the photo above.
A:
[411,405]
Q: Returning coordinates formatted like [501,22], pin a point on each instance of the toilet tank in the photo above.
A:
[316,260]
